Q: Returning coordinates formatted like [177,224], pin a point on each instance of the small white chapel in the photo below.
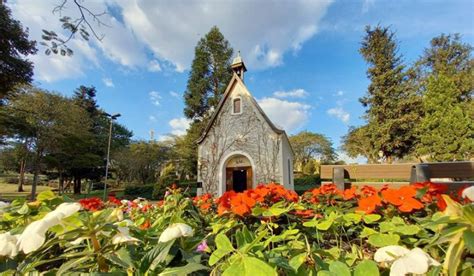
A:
[241,147]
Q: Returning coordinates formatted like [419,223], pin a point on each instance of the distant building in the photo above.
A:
[240,147]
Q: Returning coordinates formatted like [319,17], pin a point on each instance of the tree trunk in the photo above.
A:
[35,174]
[21,180]
[77,185]
[61,183]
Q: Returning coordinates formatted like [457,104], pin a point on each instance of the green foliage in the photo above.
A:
[209,76]
[143,191]
[446,131]
[14,48]
[305,183]
[392,105]
[308,147]
[358,142]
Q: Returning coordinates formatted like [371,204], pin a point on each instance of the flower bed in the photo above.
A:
[265,231]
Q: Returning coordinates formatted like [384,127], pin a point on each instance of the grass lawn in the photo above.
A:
[12,188]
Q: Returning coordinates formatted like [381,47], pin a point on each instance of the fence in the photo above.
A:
[402,173]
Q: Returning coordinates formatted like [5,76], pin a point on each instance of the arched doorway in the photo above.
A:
[238,173]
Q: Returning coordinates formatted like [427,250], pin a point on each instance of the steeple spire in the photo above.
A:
[238,66]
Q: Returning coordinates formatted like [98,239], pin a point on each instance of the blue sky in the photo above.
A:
[302,56]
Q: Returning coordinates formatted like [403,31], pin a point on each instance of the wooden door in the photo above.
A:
[249,178]
[228,179]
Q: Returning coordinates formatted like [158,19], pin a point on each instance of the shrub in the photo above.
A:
[145,191]
[306,182]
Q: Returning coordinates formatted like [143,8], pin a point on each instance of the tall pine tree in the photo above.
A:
[447,129]
[208,79]
[391,103]
[209,76]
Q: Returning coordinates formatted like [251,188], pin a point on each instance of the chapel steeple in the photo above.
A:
[238,66]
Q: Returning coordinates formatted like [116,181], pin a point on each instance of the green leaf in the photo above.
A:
[367,232]
[46,195]
[297,261]
[326,273]
[453,255]
[71,264]
[352,217]
[365,268]
[155,256]
[469,240]
[371,218]
[23,210]
[408,230]
[381,240]
[183,270]
[224,247]
[339,268]
[223,242]
[250,266]
[324,225]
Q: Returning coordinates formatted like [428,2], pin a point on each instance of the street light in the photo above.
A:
[112,118]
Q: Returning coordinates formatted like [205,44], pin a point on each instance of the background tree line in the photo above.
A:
[421,112]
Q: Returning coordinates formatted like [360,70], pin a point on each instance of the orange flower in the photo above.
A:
[145,225]
[349,193]
[368,204]
[368,191]
[403,198]
[329,189]
[224,202]
[431,190]
[241,204]
[305,213]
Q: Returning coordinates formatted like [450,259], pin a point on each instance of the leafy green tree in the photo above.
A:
[50,118]
[447,129]
[309,146]
[14,47]
[449,56]
[357,142]
[209,76]
[392,104]
[141,162]
[85,159]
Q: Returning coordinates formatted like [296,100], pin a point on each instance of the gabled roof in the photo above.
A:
[236,79]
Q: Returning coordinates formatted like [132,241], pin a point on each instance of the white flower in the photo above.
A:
[405,261]
[34,234]
[175,231]
[123,235]
[116,215]
[468,193]
[8,244]
[390,253]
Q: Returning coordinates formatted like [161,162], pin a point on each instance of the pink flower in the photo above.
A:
[202,247]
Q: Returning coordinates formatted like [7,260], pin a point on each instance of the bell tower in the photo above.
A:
[238,66]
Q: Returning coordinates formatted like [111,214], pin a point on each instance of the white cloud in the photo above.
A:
[340,93]
[339,113]
[152,119]
[154,66]
[179,125]
[108,82]
[349,160]
[155,97]
[174,94]
[295,93]
[288,115]
[172,29]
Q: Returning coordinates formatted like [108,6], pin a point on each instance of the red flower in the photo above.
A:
[368,204]
[114,200]
[92,204]
[329,189]
[224,202]
[403,198]
[305,213]
[145,225]
[241,204]
[349,193]
[368,191]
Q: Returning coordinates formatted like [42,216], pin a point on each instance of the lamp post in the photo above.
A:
[112,118]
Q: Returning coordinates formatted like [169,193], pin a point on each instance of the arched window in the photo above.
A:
[237,106]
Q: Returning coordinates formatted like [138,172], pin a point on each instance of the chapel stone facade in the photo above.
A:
[241,148]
